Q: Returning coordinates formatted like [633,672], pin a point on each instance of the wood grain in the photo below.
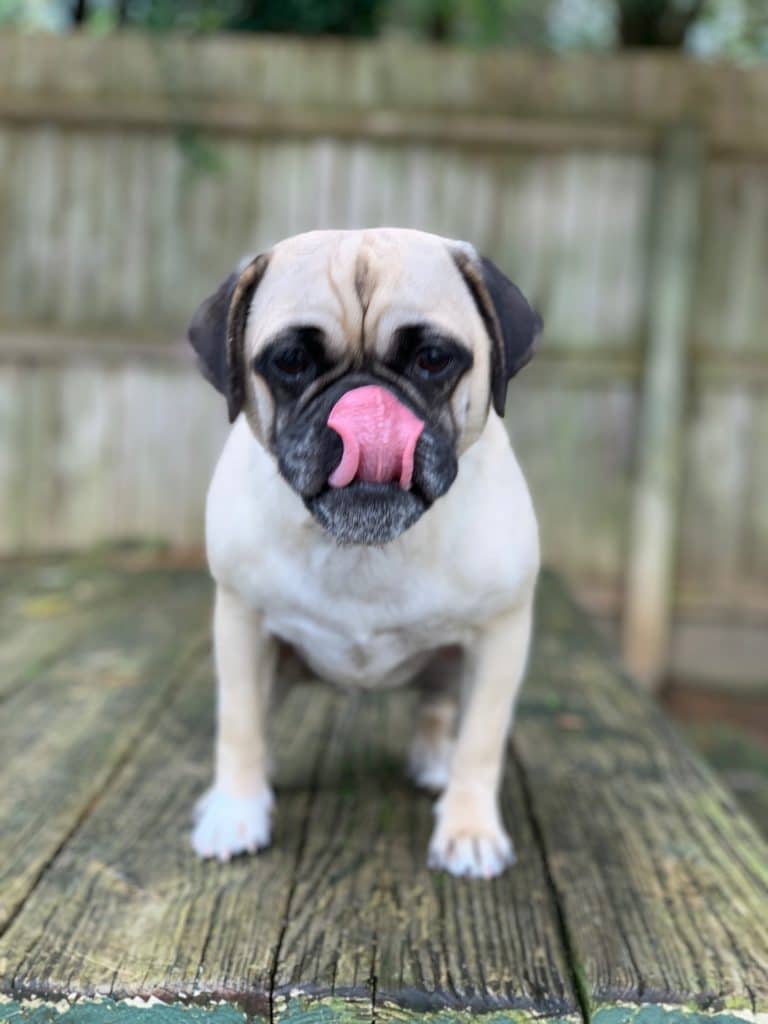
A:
[70,725]
[127,909]
[46,607]
[662,881]
[370,923]
[219,81]
[655,517]
[638,883]
[341,911]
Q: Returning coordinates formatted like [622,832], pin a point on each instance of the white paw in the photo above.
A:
[429,764]
[469,841]
[228,825]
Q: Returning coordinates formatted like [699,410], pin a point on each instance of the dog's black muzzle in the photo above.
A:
[308,451]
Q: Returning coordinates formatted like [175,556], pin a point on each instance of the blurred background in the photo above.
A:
[611,155]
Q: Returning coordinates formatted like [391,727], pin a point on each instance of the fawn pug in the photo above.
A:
[368,515]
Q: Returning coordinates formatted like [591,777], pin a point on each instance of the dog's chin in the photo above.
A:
[366,513]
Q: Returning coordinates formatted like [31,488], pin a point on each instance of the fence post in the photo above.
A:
[654,515]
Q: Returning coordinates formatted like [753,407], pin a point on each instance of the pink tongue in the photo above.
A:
[379,435]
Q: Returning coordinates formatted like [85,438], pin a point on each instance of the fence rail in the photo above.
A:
[135,171]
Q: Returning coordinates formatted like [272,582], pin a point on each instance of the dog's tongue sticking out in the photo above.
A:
[379,435]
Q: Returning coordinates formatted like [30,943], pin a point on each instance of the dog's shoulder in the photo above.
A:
[489,525]
[249,507]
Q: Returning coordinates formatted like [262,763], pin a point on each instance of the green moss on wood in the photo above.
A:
[108,1011]
[327,1010]
[664,1015]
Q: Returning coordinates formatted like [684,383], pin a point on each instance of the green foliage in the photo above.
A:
[476,22]
[309,17]
[303,17]
[10,11]
[201,155]
[656,22]
[733,28]
[187,15]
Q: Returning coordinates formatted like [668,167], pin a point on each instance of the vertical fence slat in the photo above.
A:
[651,557]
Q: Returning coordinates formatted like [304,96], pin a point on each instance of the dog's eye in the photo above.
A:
[432,360]
[292,361]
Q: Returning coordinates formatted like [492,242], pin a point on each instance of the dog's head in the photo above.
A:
[366,362]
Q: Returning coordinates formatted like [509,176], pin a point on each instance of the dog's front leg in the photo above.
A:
[469,836]
[234,815]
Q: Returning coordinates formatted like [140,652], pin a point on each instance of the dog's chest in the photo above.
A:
[362,619]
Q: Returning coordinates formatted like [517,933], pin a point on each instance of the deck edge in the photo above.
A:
[110,1011]
[663,1013]
[333,1009]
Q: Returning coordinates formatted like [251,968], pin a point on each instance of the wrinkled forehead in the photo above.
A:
[358,287]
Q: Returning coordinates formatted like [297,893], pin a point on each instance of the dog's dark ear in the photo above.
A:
[512,325]
[207,333]
[217,332]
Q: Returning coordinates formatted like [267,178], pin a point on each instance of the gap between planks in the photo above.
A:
[316,800]
[312,790]
[569,947]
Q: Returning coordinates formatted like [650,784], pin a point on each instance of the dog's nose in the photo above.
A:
[378,435]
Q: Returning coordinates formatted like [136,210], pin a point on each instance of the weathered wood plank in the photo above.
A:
[340,912]
[44,607]
[368,922]
[658,476]
[127,909]
[65,731]
[657,876]
[662,880]
[120,452]
[756,541]
[584,465]
[731,303]
[723,466]
[144,81]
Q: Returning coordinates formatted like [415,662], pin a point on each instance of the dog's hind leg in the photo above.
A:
[429,760]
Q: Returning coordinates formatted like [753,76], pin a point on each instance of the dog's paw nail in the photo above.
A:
[226,826]
[471,855]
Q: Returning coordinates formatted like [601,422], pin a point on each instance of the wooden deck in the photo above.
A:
[640,893]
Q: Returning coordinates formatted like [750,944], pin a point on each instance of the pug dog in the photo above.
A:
[367,518]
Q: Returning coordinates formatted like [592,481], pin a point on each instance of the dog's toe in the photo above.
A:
[472,856]
[226,826]
[469,839]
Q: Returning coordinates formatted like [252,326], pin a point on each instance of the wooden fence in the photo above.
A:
[627,195]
